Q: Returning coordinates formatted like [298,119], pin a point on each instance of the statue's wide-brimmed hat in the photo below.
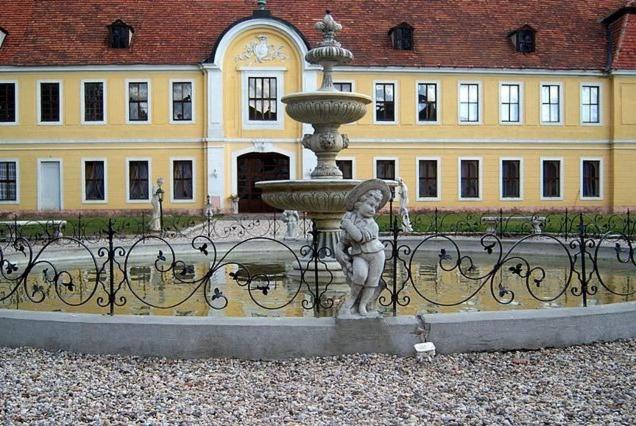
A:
[363,187]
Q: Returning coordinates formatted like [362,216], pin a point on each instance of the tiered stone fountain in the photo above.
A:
[326,109]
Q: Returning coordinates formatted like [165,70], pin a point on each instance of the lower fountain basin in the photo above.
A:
[311,196]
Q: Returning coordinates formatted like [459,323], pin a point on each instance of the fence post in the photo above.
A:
[436,229]
[274,224]
[314,250]
[582,254]
[394,250]
[628,231]
[500,222]
[111,261]
[391,207]
[565,229]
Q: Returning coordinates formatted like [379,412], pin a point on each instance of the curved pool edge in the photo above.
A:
[280,338]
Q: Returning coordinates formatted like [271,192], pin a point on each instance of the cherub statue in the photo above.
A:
[359,251]
[291,218]
[404,202]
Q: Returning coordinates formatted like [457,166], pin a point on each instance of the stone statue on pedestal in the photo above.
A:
[360,252]
[155,221]
[404,202]
[291,218]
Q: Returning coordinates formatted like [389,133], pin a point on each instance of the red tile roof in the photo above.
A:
[448,33]
[624,42]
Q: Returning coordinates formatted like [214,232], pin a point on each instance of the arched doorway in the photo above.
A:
[255,167]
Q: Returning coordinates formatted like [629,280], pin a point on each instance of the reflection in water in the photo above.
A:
[153,292]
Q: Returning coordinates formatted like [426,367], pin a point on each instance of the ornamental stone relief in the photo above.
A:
[260,51]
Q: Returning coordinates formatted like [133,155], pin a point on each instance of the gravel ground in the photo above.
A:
[578,385]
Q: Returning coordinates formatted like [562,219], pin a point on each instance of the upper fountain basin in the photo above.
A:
[326,107]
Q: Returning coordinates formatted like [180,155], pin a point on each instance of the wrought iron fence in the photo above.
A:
[489,261]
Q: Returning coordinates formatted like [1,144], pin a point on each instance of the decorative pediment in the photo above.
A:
[260,51]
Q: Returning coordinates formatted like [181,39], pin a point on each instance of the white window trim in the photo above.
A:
[601,181]
[375,165]
[127,182]
[353,90]
[38,99]
[127,98]
[561,102]
[17,180]
[521,101]
[277,73]
[600,103]
[561,175]
[480,99]
[83,103]
[39,180]
[171,104]
[459,178]
[83,182]
[417,179]
[16,96]
[438,98]
[353,165]
[396,105]
[521,177]
[194,180]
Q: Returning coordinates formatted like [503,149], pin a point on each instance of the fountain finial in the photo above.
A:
[329,52]
[329,27]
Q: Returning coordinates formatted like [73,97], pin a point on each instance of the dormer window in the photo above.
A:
[402,37]
[120,35]
[523,39]
[3,35]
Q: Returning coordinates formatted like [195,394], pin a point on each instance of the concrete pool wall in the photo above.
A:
[279,338]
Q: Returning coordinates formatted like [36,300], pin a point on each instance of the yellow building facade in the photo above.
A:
[500,138]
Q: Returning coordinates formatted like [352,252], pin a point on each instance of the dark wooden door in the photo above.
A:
[255,167]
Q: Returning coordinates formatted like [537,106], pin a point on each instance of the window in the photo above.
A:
[94,182]
[385,102]
[138,102]
[94,102]
[402,36]
[469,179]
[510,107]
[263,99]
[590,101]
[427,179]
[346,167]
[551,178]
[469,103]
[8,181]
[511,179]
[3,36]
[343,87]
[50,102]
[385,169]
[427,102]
[523,39]
[182,101]
[182,180]
[591,171]
[7,103]
[120,35]
[138,180]
[551,103]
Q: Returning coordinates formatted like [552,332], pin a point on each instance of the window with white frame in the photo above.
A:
[8,181]
[94,180]
[551,179]
[385,102]
[346,167]
[550,103]
[50,102]
[510,103]
[427,178]
[427,102]
[7,102]
[469,103]
[469,179]
[263,98]
[591,178]
[511,179]
[182,182]
[138,102]
[385,169]
[138,180]
[93,102]
[182,101]
[343,86]
[590,100]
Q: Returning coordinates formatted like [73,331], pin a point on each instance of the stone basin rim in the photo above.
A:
[325,185]
[325,96]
